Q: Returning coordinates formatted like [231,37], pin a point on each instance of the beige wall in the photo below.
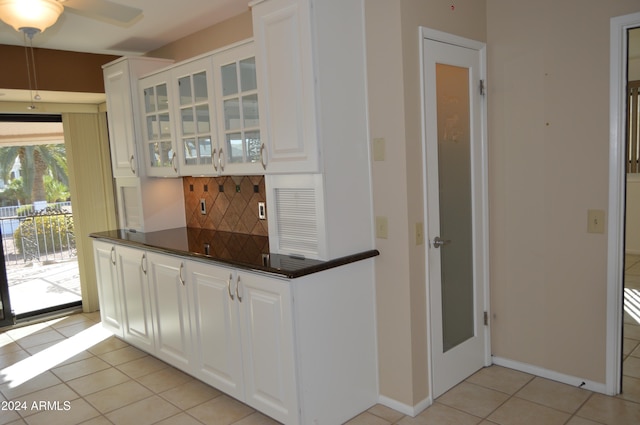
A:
[395,115]
[548,82]
[227,32]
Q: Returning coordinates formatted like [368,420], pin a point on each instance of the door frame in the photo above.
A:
[435,35]
[617,194]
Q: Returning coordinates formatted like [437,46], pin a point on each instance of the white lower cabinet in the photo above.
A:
[300,351]
[170,307]
[216,328]
[108,288]
[266,321]
[243,337]
[132,267]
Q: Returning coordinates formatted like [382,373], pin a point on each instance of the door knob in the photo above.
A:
[438,242]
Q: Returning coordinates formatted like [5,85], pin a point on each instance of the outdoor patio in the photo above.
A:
[39,286]
[40,258]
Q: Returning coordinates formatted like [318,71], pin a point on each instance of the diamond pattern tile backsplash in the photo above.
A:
[231,203]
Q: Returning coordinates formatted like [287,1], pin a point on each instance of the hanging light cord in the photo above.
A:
[31,66]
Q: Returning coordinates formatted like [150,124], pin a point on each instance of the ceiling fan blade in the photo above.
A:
[103,9]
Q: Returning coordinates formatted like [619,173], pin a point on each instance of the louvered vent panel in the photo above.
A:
[297,221]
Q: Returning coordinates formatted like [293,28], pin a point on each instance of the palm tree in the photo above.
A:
[35,161]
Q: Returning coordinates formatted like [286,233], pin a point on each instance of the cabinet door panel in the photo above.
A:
[217,352]
[158,134]
[121,132]
[238,117]
[267,346]
[287,87]
[170,309]
[138,328]
[195,112]
[108,288]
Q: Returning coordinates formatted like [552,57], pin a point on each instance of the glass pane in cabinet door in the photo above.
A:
[234,147]
[200,93]
[149,100]
[253,145]
[190,152]
[165,126]
[184,88]
[231,114]
[166,154]
[229,79]
[154,154]
[153,132]
[162,97]
[204,149]
[250,111]
[188,121]
[203,120]
[248,74]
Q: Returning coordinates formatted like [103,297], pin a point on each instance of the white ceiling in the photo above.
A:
[162,22]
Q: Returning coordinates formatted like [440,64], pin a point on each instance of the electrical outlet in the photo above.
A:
[262,211]
[203,207]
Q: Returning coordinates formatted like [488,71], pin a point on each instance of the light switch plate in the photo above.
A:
[378,149]
[419,233]
[382,229]
[595,221]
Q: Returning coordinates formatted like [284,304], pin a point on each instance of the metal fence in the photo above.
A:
[43,235]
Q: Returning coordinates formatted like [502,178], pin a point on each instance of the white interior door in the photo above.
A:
[455,175]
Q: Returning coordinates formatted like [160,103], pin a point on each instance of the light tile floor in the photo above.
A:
[86,380]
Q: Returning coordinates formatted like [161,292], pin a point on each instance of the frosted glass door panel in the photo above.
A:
[454,172]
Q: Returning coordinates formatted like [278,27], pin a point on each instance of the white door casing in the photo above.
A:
[617,185]
[451,364]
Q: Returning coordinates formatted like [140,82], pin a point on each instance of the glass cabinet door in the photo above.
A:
[196,143]
[239,121]
[158,129]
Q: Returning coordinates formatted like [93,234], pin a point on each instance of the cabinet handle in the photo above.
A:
[143,262]
[113,255]
[221,160]
[229,287]
[133,170]
[180,274]
[263,157]
[173,163]
[213,159]
[238,289]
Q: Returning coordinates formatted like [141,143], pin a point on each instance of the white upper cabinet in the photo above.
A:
[192,85]
[121,86]
[201,117]
[241,147]
[158,137]
[284,59]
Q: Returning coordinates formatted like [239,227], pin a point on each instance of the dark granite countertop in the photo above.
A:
[249,252]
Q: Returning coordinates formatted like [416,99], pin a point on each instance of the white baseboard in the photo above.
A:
[550,374]
[405,409]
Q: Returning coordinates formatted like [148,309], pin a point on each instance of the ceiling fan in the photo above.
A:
[34,16]
[31,17]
